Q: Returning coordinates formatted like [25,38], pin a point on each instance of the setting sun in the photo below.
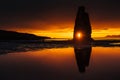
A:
[79,35]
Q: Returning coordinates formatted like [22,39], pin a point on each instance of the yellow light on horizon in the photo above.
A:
[68,32]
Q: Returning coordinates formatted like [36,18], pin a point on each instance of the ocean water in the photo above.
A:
[58,62]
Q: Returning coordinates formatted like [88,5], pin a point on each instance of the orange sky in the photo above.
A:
[65,30]
[55,18]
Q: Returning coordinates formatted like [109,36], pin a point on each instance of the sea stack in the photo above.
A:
[82,28]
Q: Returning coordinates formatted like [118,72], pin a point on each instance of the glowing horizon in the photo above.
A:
[68,33]
[65,30]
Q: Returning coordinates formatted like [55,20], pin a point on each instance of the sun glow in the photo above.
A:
[79,35]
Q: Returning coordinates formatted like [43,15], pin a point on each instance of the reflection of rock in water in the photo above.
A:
[82,57]
[82,26]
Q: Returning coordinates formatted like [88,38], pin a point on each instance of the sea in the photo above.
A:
[52,61]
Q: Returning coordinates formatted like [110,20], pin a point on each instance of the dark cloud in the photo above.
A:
[23,13]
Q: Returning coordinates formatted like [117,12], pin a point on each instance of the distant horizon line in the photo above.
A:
[92,37]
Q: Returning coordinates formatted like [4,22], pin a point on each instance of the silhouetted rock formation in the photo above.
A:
[82,29]
[82,57]
[11,35]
